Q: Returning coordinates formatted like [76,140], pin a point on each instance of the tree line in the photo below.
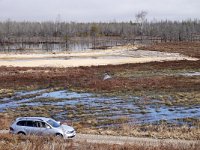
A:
[166,30]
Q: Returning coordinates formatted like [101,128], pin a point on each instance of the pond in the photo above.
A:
[71,45]
[136,109]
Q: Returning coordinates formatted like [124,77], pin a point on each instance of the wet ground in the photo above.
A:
[106,110]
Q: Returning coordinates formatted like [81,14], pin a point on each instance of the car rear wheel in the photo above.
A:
[21,133]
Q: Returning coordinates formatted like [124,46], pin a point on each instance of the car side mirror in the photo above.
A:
[59,122]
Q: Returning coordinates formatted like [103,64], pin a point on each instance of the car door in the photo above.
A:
[45,129]
[30,127]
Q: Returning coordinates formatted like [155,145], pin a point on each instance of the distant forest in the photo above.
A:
[166,30]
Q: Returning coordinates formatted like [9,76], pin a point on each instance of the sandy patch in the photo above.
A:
[114,56]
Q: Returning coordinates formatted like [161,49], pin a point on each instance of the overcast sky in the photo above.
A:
[97,10]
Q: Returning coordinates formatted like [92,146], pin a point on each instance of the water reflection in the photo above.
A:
[71,45]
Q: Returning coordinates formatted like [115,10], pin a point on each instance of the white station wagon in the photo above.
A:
[41,126]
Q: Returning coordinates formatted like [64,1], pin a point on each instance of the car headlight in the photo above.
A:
[68,132]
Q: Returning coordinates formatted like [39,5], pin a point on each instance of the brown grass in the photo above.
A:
[161,131]
[5,121]
[9,142]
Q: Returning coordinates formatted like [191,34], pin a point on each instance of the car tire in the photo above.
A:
[21,133]
[59,135]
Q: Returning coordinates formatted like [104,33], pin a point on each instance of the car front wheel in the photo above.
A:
[59,135]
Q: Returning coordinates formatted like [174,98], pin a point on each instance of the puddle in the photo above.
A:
[65,94]
[100,106]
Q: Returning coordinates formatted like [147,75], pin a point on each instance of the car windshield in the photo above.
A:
[53,123]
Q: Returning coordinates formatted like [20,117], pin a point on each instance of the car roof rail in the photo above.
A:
[29,118]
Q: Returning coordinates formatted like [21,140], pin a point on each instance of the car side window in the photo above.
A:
[21,123]
[26,123]
[40,124]
[30,123]
[36,124]
[43,125]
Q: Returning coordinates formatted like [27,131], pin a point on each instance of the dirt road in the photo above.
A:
[107,139]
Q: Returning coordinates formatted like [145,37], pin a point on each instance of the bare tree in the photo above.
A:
[167,30]
[140,20]
[141,16]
